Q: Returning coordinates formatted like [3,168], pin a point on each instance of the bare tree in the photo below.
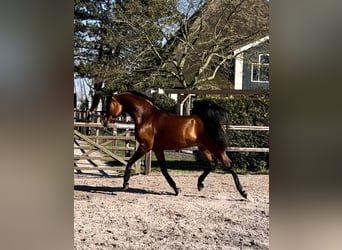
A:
[151,43]
[199,38]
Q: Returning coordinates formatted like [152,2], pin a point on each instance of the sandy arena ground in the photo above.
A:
[149,216]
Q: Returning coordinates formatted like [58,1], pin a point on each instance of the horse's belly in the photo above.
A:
[172,144]
[172,139]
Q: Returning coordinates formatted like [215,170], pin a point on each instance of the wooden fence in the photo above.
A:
[219,92]
[245,149]
[95,145]
[121,139]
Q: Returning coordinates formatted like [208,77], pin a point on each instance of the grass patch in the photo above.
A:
[187,163]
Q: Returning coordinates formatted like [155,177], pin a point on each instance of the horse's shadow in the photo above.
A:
[115,190]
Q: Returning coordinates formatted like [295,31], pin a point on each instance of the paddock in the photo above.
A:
[149,216]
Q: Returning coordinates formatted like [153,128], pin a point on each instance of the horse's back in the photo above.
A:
[175,131]
[172,122]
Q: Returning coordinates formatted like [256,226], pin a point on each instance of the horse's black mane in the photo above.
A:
[140,94]
[137,93]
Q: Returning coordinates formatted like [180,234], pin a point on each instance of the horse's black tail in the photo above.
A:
[213,117]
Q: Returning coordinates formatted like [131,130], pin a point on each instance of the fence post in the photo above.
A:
[127,151]
[97,129]
[115,133]
[137,165]
[148,163]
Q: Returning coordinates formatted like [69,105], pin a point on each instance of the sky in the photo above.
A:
[81,89]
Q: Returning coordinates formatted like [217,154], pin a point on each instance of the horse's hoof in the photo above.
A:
[200,186]
[244,194]
[125,186]
[177,191]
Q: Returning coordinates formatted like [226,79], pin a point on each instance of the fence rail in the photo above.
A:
[99,125]
[251,128]
[246,149]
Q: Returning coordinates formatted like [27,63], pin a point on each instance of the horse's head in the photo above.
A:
[113,110]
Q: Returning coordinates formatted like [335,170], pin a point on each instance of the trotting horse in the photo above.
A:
[158,130]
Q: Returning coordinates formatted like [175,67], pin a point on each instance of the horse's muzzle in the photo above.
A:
[105,122]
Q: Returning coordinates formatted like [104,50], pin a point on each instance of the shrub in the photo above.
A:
[165,102]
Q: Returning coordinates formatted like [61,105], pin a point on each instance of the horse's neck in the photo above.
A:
[137,109]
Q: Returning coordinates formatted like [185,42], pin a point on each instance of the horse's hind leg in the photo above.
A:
[222,156]
[161,160]
[209,157]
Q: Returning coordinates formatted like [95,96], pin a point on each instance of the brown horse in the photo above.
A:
[158,130]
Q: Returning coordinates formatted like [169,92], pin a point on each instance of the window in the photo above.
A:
[260,70]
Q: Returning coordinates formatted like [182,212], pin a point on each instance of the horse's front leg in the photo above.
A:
[161,160]
[141,151]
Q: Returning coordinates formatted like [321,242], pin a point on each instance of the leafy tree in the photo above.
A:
[114,40]
[95,57]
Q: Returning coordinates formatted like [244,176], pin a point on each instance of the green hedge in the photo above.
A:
[165,102]
[253,111]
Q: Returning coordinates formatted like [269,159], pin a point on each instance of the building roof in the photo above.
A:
[251,45]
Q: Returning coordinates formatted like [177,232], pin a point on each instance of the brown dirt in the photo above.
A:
[149,216]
